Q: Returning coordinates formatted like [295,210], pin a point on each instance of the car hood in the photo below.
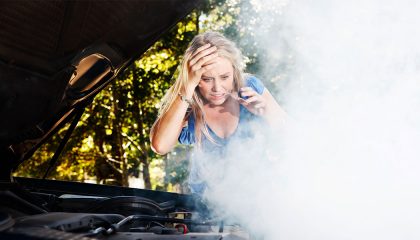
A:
[55,56]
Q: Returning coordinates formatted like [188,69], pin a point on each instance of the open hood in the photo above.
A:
[55,56]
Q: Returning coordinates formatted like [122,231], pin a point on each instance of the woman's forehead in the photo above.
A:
[222,66]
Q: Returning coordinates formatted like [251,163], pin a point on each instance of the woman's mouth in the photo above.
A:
[217,96]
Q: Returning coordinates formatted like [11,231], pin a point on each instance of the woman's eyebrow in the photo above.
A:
[204,76]
[225,74]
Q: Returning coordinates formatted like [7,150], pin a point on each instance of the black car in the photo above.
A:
[55,56]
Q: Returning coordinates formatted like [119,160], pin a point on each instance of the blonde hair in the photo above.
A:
[226,49]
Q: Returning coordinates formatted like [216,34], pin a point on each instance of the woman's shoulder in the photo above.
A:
[255,83]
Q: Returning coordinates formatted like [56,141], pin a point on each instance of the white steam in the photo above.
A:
[350,169]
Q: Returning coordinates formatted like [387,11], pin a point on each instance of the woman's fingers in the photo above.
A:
[247,92]
[242,101]
[257,109]
[205,46]
[205,68]
[260,105]
[249,95]
[253,102]
[205,60]
[200,69]
[252,99]
[200,54]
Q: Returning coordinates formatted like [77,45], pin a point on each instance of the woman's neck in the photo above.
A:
[229,106]
[226,104]
[222,119]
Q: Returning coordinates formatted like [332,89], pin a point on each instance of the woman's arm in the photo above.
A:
[167,127]
[273,112]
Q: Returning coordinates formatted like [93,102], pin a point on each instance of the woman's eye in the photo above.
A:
[206,79]
[225,77]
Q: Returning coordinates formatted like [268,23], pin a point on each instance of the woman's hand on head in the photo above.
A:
[202,60]
[251,100]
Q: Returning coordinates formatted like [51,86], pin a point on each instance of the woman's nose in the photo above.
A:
[216,85]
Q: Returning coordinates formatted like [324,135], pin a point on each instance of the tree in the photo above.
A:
[111,142]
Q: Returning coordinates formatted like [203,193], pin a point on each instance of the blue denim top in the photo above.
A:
[187,136]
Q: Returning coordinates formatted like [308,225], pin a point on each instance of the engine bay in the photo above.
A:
[42,212]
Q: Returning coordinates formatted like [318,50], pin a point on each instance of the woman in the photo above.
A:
[212,100]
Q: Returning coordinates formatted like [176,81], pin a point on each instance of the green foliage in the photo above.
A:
[111,142]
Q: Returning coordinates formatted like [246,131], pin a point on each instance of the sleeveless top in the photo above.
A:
[208,148]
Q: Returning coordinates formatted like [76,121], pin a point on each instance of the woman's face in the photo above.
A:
[216,85]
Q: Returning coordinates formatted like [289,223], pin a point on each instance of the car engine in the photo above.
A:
[86,211]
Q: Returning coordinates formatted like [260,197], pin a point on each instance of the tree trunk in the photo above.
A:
[146,175]
[119,151]
[144,159]
[165,167]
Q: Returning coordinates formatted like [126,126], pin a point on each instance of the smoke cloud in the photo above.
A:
[349,167]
